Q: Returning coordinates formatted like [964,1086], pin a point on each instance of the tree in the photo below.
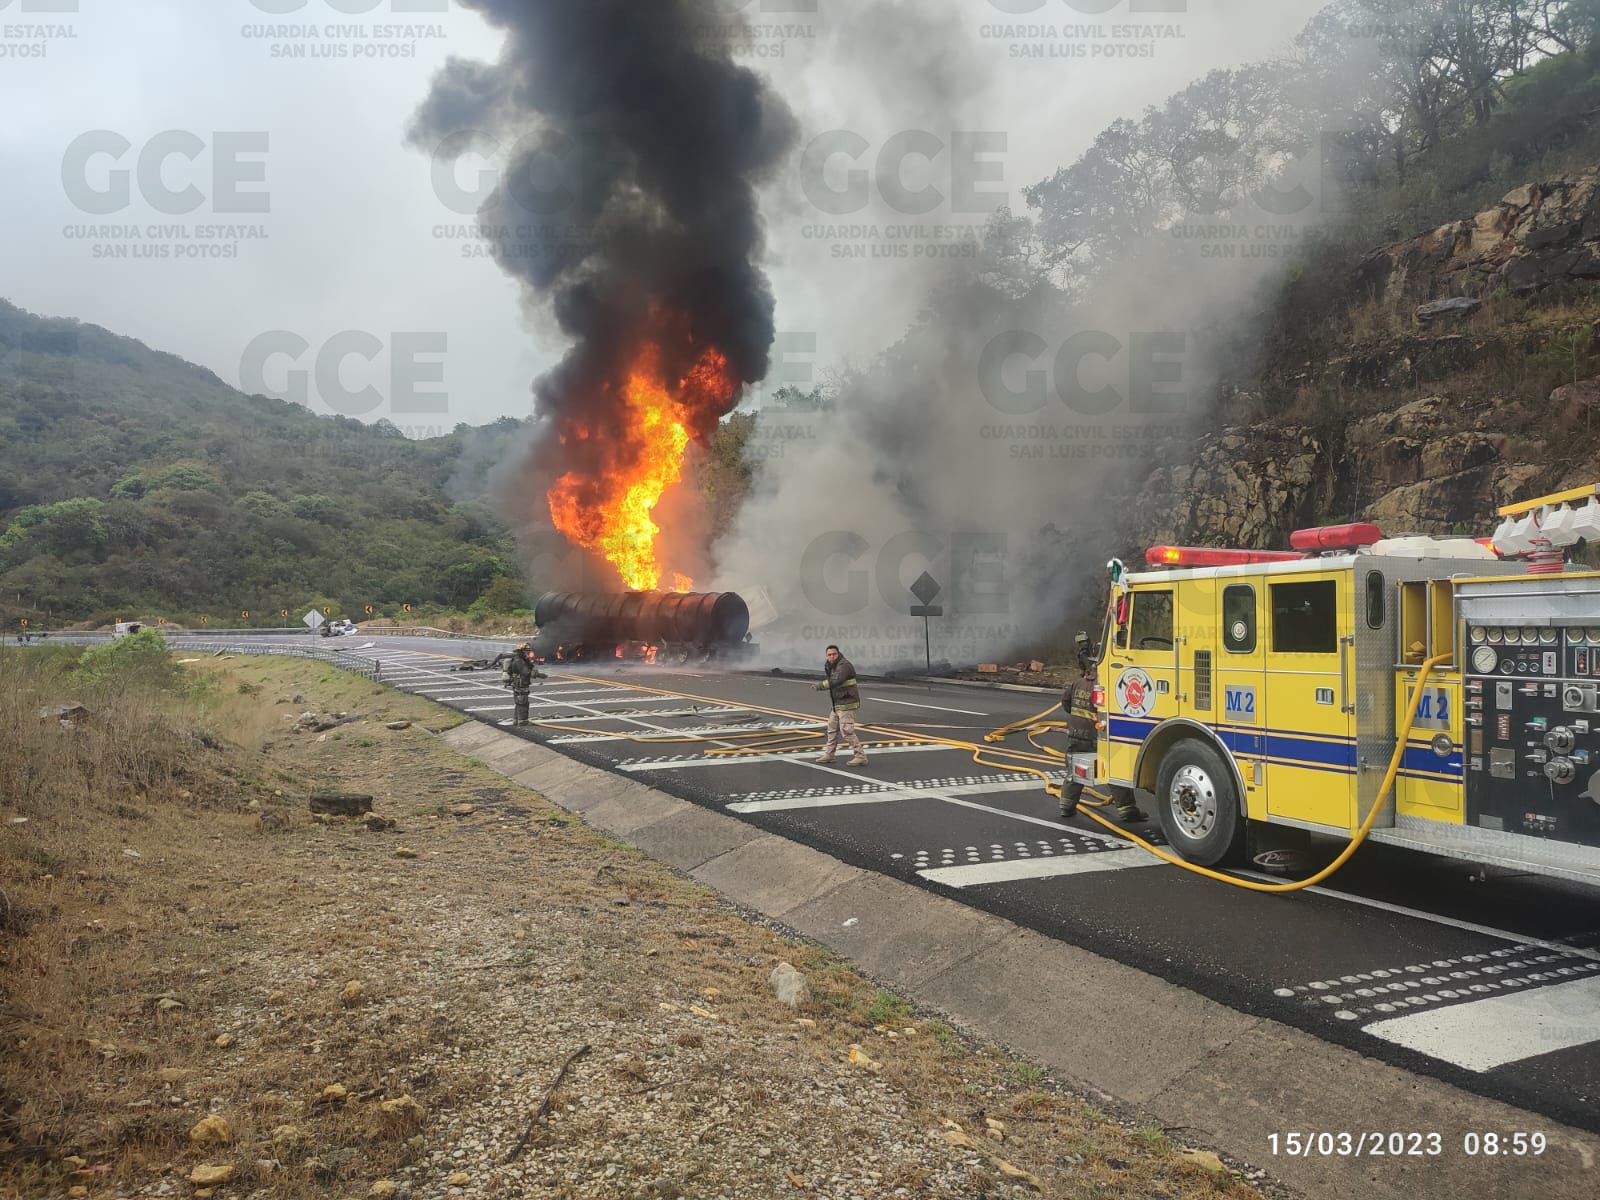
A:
[503,596]
[315,508]
[68,529]
[467,573]
[180,477]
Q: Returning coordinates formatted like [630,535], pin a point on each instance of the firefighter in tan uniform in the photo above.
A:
[845,696]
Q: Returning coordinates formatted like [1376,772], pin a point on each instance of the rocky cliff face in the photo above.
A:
[1425,444]
[1540,234]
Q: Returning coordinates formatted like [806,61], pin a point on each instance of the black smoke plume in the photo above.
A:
[628,202]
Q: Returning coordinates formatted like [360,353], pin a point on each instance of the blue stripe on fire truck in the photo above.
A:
[1327,753]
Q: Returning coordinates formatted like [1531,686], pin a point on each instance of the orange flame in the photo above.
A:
[612,514]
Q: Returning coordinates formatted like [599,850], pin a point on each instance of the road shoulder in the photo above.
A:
[1222,1077]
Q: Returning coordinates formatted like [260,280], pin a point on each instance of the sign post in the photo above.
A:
[925,589]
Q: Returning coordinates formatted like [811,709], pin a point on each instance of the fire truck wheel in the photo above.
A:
[1199,806]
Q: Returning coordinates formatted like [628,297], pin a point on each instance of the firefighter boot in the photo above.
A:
[858,759]
[1071,792]
[1126,807]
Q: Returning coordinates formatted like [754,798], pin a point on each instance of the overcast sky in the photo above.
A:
[279,207]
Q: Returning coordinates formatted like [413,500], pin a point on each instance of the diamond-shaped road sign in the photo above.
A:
[926,588]
[312,619]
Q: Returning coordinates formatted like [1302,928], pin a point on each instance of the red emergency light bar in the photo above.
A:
[1336,537]
[1203,556]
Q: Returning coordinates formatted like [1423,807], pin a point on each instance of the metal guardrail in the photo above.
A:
[431,631]
[423,631]
[166,632]
[358,664]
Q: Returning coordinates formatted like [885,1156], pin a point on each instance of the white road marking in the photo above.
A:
[729,760]
[628,716]
[909,791]
[689,731]
[938,707]
[1109,838]
[1483,1034]
[591,714]
[1436,918]
[1011,871]
[697,707]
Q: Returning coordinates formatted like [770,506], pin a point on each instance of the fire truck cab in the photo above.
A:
[1257,686]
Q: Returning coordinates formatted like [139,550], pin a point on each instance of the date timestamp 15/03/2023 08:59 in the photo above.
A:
[1395,1144]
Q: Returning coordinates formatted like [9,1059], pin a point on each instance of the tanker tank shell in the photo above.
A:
[701,619]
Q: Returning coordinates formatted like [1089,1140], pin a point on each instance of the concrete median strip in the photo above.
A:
[1186,1061]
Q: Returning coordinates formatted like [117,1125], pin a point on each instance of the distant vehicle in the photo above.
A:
[125,629]
[338,628]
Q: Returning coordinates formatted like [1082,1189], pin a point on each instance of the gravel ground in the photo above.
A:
[386,1012]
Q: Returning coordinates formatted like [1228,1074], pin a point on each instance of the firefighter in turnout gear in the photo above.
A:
[1077,703]
[844,695]
[519,676]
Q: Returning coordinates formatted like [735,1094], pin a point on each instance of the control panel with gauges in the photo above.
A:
[1532,726]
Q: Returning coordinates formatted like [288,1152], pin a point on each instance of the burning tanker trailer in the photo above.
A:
[642,626]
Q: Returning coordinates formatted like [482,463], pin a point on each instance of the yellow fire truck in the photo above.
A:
[1246,686]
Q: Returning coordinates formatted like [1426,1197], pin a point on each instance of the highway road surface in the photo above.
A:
[1492,984]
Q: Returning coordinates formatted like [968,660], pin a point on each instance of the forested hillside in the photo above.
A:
[133,482]
[1401,121]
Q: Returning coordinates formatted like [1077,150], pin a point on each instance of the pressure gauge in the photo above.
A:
[1530,636]
[1575,635]
[1496,634]
[1594,633]
[1548,636]
[1479,633]
[1484,660]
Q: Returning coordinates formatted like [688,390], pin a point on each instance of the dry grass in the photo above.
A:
[511,910]
[111,897]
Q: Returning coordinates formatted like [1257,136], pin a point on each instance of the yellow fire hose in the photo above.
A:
[1022,761]
[1344,855]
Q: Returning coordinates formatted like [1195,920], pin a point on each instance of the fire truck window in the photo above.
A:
[1305,617]
[1152,621]
[1239,618]
[1375,591]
